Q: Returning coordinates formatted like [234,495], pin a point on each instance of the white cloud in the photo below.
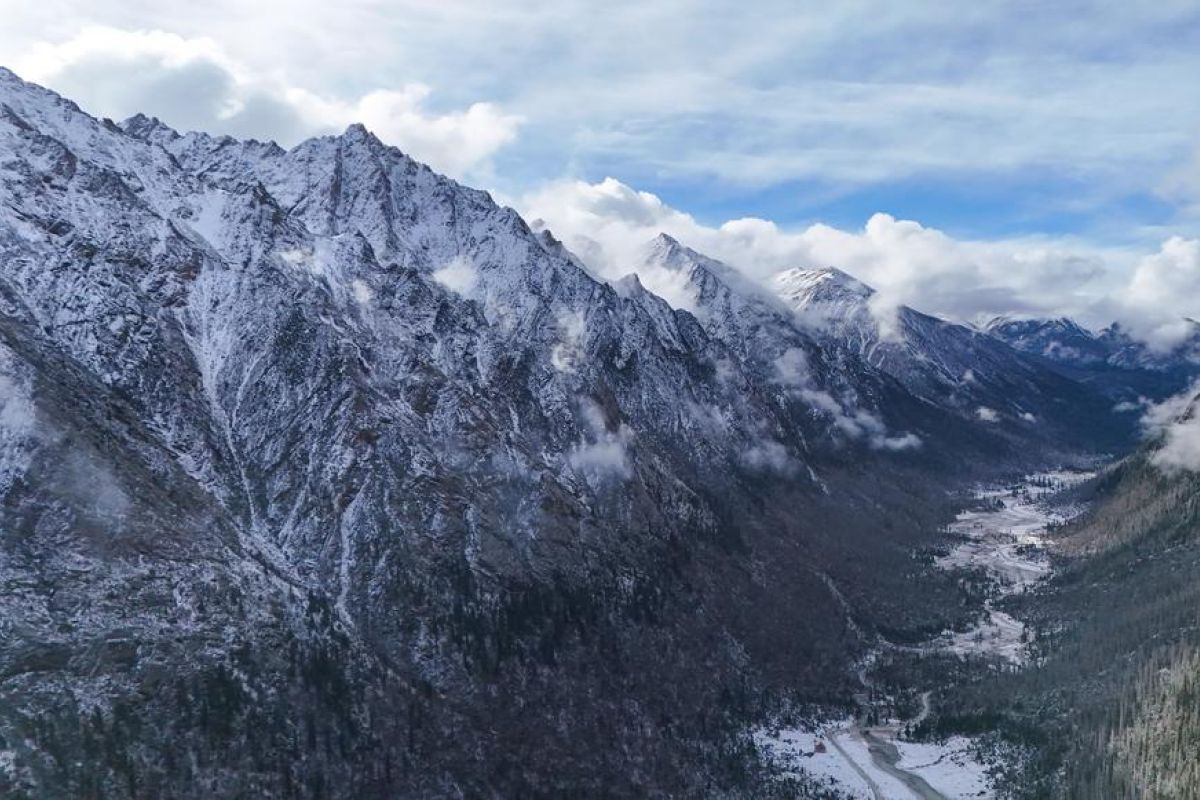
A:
[1181,446]
[861,424]
[769,456]
[566,354]
[601,453]
[17,417]
[792,368]
[193,84]
[844,92]
[608,223]
[986,414]
[455,143]
[1165,288]
[606,455]
[1177,421]
[862,103]
[361,291]
[459,275]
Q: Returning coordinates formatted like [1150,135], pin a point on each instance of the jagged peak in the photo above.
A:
[13,84]
[629,285]
[1012,323]
[814,288]
[820,285]
[666,251]
[665,242]
[148,128]
[707,277]
[356,130]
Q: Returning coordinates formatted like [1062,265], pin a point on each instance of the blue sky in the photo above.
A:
[1070,125]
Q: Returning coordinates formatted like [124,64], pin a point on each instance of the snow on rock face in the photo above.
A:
[954,366]
[354,355]
[1067,342]
[329,372]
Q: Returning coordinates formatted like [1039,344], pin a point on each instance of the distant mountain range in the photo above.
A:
[1111,360]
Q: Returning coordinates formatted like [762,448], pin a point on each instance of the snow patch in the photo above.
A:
[361,291]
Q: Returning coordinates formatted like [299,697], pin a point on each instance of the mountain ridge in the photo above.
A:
[329,449]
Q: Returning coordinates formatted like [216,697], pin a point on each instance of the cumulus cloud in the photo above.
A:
[868,125]
[608,223]
[459,275]
[844,93]
[1164,289]
[193,84]
[903,260]
[1181,446]
[1177,421]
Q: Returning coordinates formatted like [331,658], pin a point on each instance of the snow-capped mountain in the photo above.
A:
[1067,342]
[1111,360]
[329,472]
[953,366]
[1062,339]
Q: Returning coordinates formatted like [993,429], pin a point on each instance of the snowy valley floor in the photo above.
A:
[1004,536]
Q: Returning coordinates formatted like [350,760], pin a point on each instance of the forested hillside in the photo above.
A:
[1110,707]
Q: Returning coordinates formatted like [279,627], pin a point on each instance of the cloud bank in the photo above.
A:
[194,84]
[608,224]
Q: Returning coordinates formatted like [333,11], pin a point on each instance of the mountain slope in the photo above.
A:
[1111,710]
[330,473]
[954,367]
[1111,361]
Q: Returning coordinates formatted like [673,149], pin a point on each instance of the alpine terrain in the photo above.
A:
[325,476]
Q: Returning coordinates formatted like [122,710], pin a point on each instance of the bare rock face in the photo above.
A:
[322,475]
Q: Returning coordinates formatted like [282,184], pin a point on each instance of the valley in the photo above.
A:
[873,755]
